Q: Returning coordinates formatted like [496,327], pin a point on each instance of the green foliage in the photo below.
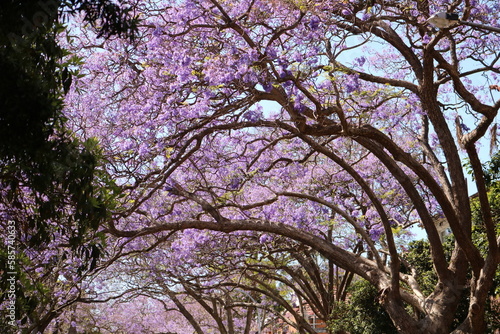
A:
[492,178]
[52,185]
[361,314]
[492,170]
[419,256]
[106,16]
[30,97]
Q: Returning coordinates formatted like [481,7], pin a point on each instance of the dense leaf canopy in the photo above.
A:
[269,133]
[294,118]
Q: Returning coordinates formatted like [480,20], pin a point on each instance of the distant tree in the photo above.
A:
[361,313]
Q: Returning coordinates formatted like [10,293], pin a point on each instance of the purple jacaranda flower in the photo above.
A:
[235,182]
[352,83]
[265,238]
[314,23]
[346,12]
[375,233]
[253,115]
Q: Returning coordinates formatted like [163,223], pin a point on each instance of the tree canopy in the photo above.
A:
[318,132]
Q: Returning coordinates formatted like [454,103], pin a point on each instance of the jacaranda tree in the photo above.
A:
[296,118]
